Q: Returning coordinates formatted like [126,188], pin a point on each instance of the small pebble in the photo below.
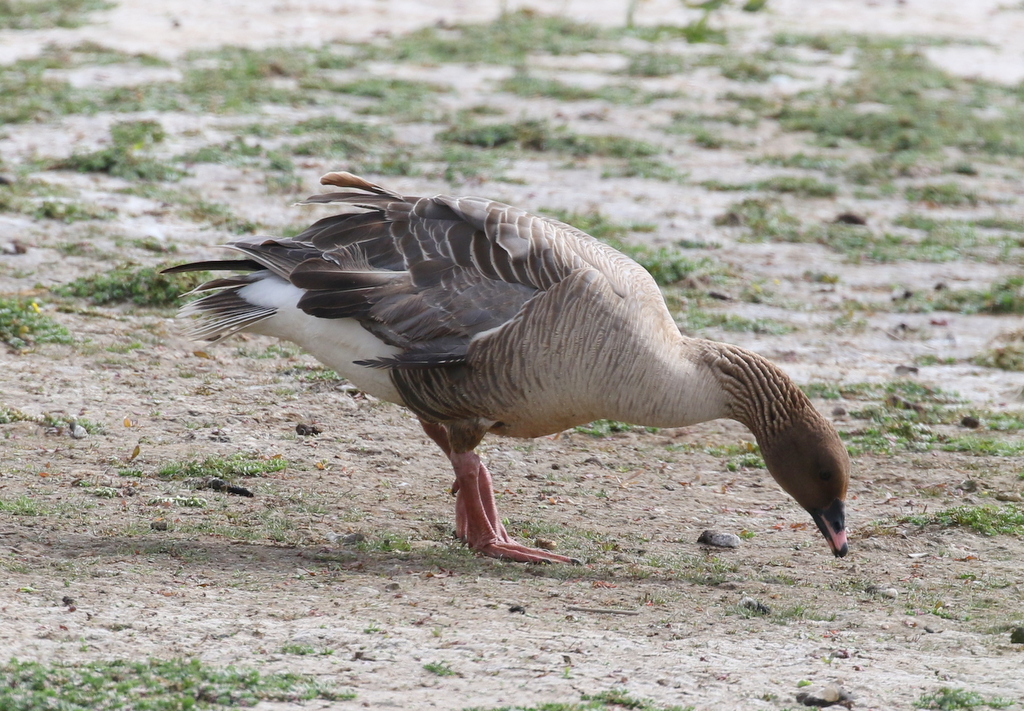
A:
[829,696]
[1009,496]
[78,432]
[969,421]
[906,370]
[838,411]
[891,593]
[545,543]
[755,606]
[850,218]
[719,540]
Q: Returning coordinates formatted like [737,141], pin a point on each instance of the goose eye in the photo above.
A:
[825,476]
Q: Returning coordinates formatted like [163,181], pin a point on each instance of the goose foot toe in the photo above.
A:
[510,550]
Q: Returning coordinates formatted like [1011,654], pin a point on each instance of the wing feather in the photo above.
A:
[425,275]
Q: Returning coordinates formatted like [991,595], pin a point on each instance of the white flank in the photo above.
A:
[334,342]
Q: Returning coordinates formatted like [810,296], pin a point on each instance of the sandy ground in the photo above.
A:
[907,612]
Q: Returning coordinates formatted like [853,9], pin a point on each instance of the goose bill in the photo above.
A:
[832,524]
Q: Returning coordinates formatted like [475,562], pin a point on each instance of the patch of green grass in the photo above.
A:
[606,428]
[649,168]
[949,699]
[153,685]
[765,220]
[889,432]
[705,570]
[999,223]
[667,265]
[32,93]
[386,543]
[696,319]
[230,467]
[274,350]
[1009,356]
[947,194]
[522,83]
[756,67]
[305,650]
[67,211]
[987,520]
[881,170]
[23,325]
[22,506]
[1002,421]
[41,199]
[984,446]
[858,243]
[907,389]
[706,138]
[42,14]
[537,135]
[597,225]
[917,107]
[507,40]
[830,165]
[398,99]
[127,155]
[839,42]
[440,669]
[240,80]
[699,31]
[801,186]
[337,138]
[11,414]
[655,64]
[462,163]
[236,151]
[1002,297]
[613,700]
[216,215]
[143,286]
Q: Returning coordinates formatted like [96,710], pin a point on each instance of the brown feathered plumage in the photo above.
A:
[480,317]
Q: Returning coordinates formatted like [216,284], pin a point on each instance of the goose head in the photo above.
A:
[808,460]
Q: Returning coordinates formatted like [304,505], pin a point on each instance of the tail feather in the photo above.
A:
[222,314]
[242,265]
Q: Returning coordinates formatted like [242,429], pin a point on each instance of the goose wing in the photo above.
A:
[426,275]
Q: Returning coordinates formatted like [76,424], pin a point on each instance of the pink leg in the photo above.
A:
[477,521]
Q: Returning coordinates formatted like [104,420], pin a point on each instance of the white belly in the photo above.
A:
[334,342]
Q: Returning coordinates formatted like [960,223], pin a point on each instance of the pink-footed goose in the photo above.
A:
[480,317]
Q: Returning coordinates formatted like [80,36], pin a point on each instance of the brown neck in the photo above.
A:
[758,394]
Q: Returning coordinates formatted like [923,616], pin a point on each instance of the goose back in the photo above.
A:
[489,313]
